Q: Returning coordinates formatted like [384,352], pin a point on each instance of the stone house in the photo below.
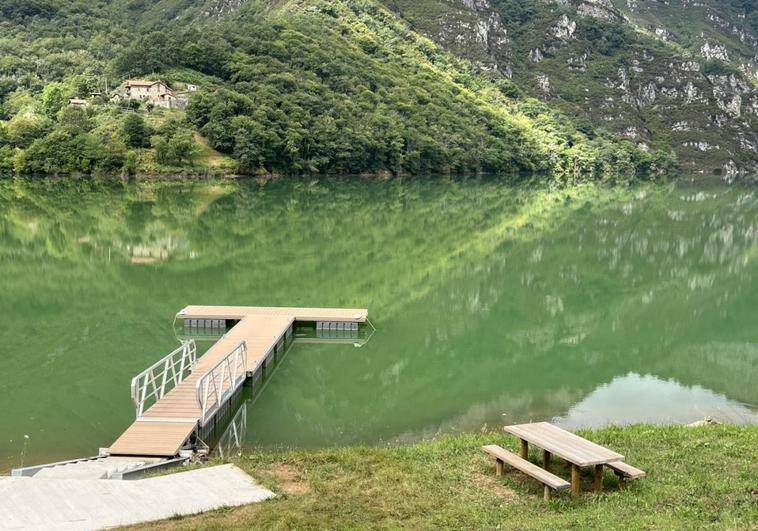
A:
[156,92]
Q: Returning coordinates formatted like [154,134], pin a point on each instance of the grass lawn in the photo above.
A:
[697,477]
[207,157]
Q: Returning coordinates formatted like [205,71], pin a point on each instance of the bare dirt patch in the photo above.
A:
[289,479]
[498,489]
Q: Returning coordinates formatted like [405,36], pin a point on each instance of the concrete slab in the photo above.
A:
[102,468]
[83,504]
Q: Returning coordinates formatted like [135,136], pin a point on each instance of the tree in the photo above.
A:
[131,163]
[6,159]
[174,150]
[148,53]
[136,131]
[61,152]
[74,120]
[23,129]
[54,97]
[182,147]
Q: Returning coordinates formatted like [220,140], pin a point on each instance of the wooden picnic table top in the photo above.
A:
[574,449]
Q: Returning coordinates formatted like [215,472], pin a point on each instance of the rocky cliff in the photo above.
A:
[676,74]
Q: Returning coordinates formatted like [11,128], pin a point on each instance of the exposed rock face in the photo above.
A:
[578,63]
[491,34]
[681,126]
[714,51]
[732,28]
[563,28]
[599,9]
[647,94]
[220,8]
[472,29]
[663,34]
[646,89]
[722,26]
[544,83]
[701,146]
[731,171]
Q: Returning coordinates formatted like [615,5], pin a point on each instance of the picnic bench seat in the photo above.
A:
[625,471]
[501,455]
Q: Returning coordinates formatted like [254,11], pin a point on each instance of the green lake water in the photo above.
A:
[492,304]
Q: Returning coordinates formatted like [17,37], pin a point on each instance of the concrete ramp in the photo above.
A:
[47,503]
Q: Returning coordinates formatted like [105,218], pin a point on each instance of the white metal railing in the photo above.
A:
[153,383]
[221,381]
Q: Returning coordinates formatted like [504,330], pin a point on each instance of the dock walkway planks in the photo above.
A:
[163,429]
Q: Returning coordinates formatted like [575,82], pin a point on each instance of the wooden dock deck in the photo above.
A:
[165,427]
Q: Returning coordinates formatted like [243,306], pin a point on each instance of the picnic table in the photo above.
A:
[577,451]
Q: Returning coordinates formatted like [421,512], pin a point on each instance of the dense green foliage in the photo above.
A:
[311,87]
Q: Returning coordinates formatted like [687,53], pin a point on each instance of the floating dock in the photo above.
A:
[179,397]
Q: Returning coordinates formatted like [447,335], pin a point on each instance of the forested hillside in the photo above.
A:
[666,75]
[345,86]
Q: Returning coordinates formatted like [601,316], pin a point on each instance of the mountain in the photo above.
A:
[675,75]
[572,91]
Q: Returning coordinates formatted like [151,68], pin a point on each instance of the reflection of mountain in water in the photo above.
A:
[533,327]
[646,399]
[492,302]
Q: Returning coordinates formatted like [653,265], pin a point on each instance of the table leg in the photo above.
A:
[598,478]
[498,467]
[546,460]
[576,480]
[524,449]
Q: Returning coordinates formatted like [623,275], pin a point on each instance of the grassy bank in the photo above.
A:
[697,477]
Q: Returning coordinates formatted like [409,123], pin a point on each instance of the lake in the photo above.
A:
[493,303]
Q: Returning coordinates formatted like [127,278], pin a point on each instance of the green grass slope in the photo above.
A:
[697,478]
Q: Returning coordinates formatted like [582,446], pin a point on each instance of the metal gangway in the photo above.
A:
[152,384]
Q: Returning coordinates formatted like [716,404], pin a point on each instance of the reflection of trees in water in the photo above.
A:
[489,299]
[76,307]
[392,241]
[541,323]
[78,219]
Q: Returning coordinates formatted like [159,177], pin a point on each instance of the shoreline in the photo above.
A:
[533,178]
